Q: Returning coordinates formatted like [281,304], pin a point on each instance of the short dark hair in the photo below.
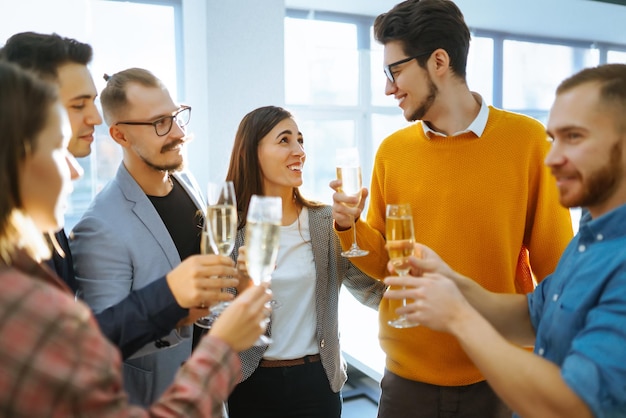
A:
[45,53]
[611,79]
[427,25]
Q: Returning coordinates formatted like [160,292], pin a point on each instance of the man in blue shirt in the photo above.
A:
[576,317]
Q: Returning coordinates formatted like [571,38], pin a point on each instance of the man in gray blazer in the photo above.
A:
[144,222]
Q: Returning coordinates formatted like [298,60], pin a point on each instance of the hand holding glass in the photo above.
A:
[400,238]
[219,232]
[349,172]
[263,223]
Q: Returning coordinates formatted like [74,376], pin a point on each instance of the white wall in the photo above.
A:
[235,63]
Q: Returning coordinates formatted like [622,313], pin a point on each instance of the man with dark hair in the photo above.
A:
[575,318]
[480,196]
[148,314]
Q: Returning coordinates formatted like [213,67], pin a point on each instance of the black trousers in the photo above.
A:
[403,398]
[285,392]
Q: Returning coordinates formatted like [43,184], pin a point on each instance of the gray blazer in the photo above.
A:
[332,270]
[121,244]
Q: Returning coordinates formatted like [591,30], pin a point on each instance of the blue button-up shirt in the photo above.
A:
[579,314]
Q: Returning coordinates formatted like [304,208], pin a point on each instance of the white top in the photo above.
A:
[293,286]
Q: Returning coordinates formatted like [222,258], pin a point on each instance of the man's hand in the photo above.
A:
[346,208]
[425,260]
[433,300]
[198,281]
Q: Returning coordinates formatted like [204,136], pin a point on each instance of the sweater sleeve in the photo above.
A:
[549,225]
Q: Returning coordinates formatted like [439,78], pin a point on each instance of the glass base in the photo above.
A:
[206,322]
[355,252]
[402,322]
[214,311]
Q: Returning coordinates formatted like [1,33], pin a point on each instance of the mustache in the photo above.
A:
[172,145]
[176,143]
[561,172]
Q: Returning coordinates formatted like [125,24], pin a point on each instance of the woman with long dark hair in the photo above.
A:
[301,373]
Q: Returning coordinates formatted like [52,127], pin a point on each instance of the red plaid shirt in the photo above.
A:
[55,362]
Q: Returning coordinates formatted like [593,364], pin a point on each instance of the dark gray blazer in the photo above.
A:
[332,270]
[119,245]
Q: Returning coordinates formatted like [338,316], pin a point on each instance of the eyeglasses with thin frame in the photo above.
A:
[163,125]
[387,68]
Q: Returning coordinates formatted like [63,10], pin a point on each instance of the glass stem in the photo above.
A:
[403,299]
[354,233]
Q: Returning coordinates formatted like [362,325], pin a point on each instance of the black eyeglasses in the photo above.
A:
[387,68]
[163,125]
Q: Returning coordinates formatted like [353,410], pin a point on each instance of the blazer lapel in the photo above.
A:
[193,190]
[320,239]
[147,214]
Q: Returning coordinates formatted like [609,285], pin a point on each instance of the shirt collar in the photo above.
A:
[608,226]
[477,126]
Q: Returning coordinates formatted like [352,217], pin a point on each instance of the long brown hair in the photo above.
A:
[25,104]
[244,169]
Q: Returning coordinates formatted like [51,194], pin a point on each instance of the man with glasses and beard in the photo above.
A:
[480,195]
[145,220]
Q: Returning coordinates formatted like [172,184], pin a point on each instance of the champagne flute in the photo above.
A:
[349,172]
[400,238]
[262,239]
[219,233]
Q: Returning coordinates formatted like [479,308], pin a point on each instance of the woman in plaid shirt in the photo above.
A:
[54,360]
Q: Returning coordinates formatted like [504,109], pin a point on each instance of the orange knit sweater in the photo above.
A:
[477,202]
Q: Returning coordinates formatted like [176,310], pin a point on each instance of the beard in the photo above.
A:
[172,166]
[602,183]
[427,103]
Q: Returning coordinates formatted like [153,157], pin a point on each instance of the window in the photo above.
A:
[335,85]
[154,47]
[532,71]
[123,34]
[321,63]
[616,56]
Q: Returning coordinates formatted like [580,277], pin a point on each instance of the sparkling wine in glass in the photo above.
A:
[262,239]
[219,233]
[349,172]
[400,238]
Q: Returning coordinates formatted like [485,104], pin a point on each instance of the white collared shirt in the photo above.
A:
[477,126]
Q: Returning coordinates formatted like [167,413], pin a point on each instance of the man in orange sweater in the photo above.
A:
[575,317]
[481,198]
